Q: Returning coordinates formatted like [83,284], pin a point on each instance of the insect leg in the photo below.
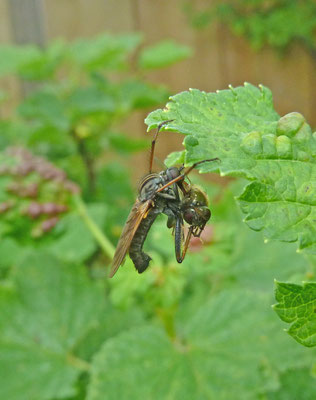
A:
[179,249]
[153,143]
[181,177]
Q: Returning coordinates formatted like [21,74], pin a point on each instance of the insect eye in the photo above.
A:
[173,172]
[206,213]
[189,215]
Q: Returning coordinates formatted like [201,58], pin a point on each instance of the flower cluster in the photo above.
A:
[33,187]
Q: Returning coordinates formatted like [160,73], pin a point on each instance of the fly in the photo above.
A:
[160,193]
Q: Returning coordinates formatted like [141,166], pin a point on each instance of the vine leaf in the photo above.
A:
[42,320]
[276,154]
[297,306]
[230,348]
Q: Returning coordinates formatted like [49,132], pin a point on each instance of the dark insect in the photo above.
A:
[165,192]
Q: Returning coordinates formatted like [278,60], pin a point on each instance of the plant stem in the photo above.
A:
[96,232]
[86,159]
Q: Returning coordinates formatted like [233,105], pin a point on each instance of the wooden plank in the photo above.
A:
[27,21]
[289,76]
[80,18]
[5,32]
[28,26]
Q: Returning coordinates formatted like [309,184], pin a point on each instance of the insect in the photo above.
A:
[195,212]
[163,192]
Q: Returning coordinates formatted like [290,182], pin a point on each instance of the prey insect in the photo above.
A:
[164,192]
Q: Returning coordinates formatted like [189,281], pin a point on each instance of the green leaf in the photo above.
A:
[163,54]
[45,107]
[14,57]
[105,51]
[124,144]
[296,384]
[45,65]
[229,349]
[297,306]
[277,155]
[76,243]
[87,100]
[10,251]
[41,323]
[137,94]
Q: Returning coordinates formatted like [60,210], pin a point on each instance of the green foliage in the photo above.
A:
[203,329]
[50,309]
[277,23]
[211,358]
[163,55]
[297,305]
[276,154]
[296,384]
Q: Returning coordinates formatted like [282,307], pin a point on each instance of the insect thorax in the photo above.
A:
[149,186]
[152,182]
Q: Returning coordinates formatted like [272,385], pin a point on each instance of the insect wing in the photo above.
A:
[138,212]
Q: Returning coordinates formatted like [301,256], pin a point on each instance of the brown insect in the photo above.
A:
[163,192]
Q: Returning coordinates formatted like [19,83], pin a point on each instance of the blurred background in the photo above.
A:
[77,79]
[270,42]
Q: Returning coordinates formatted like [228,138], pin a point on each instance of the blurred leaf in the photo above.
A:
[277,23]
[75,242]
[124,144]
[241,127]
[256,263]
[105,51]
[163,54]
[87,100]
[297,305]
[41,322]
[10,252]
[14,57]
[46,107]
[225,351]
[111,322]
[44,66]
[137,94]
[295,384]
[176,157]
[114,189]
[50,141]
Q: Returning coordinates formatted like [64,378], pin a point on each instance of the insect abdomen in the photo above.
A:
[139,258]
